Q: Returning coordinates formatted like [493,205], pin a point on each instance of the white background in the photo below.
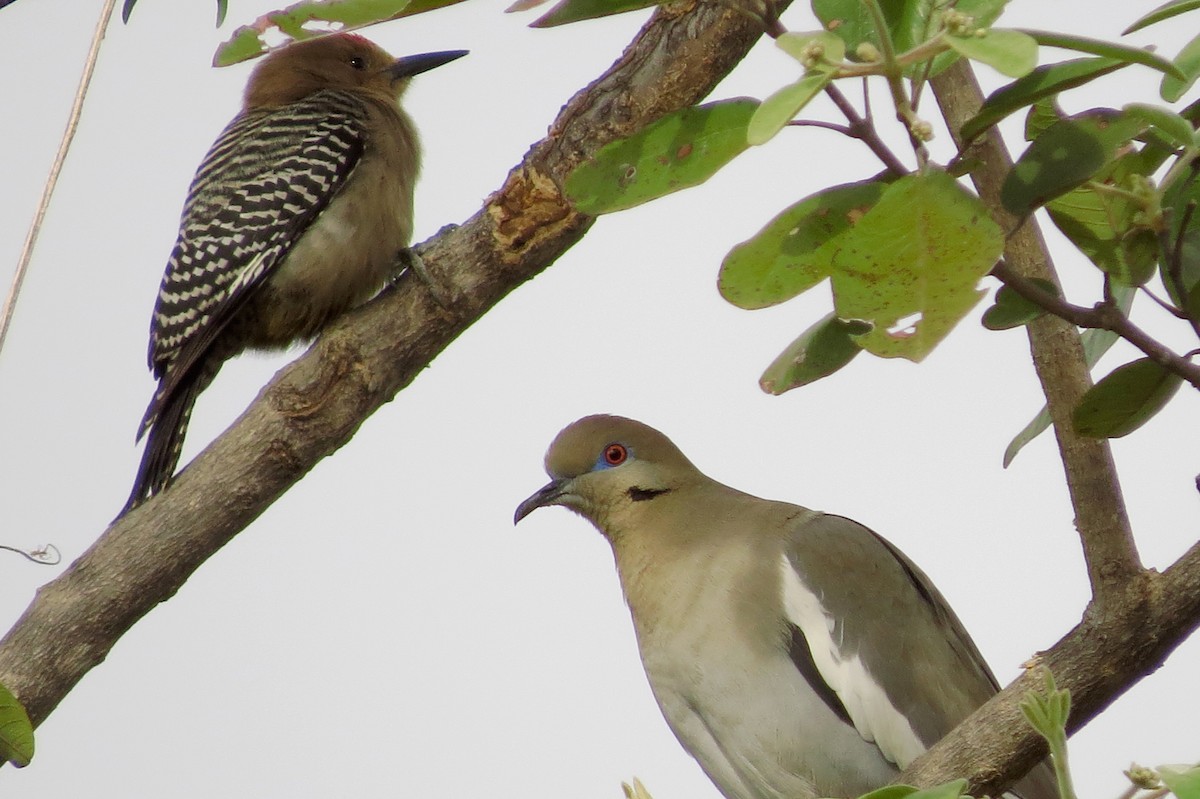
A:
[383,630]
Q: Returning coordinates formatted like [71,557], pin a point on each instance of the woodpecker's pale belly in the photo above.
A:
[316,282]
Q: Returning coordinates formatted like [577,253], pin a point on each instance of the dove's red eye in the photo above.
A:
[615,454]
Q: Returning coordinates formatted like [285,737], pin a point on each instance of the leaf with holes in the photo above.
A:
[789,256]
[16,732]
[295,22]
[819,351]
[680,150]
[1125,399]
[912,265]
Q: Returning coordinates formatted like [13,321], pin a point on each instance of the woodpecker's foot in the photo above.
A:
[409,259]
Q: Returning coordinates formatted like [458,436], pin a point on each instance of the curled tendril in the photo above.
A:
[47,555]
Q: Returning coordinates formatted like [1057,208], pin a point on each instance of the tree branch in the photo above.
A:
[1137,617]
[863,128]
[1097,661]
[1104,316]
[1100,515]
[314,406]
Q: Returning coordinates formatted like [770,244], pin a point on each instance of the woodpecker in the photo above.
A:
[300,211]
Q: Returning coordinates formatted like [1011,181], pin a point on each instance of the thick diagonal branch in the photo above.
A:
[314,406]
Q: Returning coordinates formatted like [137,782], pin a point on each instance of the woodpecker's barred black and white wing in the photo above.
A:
[264,182]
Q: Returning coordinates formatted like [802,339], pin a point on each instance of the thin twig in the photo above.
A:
[845,130]
[89,67]
[1105,316]
[863,130]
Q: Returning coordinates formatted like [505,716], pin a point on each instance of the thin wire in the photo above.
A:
[89,67]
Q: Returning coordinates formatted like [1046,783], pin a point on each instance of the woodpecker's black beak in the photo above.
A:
[416,64]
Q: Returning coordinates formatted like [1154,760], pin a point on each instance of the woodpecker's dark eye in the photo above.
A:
[359,63]
[615,454]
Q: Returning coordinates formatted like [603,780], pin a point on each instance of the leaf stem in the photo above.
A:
[864,130]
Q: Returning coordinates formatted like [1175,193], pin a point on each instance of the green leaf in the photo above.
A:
[680,150]
[1008,52]
[1012,310]
[819,352]
[1118,52]
[575,10]
[1064,156]
[1184,781]
[1139,255]
[1174,127]
[1125,400]
[912,264]
[797,45]
[890,792]
[947,790]
[294,22]
[779,261]
[1096,343]
[1179,197]
[782,106]
[1188,66]
[16,731]
[1045,81]
[1103,223]
[1163,12]
[1042,115]
[909,24]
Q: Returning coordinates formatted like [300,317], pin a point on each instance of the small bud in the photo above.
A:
[867,52]
[812,54]
[957,23]
[1143,777]
[921,130]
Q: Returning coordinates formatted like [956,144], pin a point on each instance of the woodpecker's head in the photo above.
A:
[338,61]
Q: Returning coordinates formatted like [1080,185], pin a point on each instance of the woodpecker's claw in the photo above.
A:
[410,259]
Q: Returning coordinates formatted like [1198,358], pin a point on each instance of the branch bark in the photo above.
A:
[1137,617]
[1100,515]
[315,405]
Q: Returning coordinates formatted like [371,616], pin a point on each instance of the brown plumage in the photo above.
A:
[298,213]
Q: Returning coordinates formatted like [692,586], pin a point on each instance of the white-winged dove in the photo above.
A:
[794,654]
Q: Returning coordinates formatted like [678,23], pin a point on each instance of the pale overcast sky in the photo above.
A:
[383,630]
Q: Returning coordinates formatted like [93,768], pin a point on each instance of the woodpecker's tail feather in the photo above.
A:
[167,421]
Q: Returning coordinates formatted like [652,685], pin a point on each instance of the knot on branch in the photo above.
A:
[528,209]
